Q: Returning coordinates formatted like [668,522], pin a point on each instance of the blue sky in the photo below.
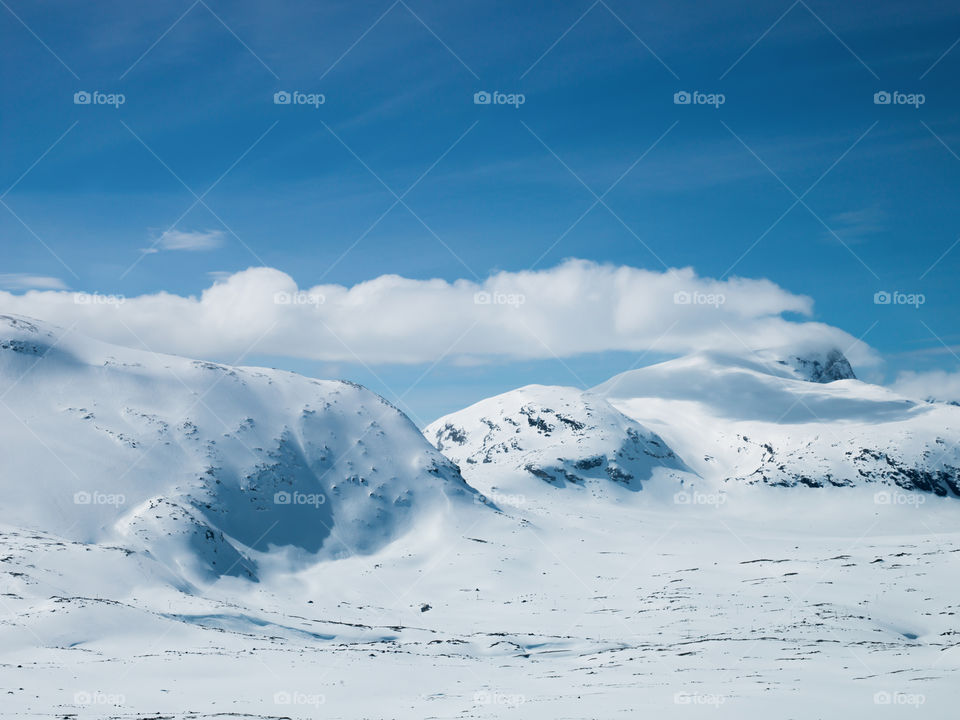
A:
[301,188]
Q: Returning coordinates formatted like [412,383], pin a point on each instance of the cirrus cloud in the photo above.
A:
[930,385]
[191,241]
[25,281]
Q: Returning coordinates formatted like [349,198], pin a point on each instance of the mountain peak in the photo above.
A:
[560,435]
[821,366]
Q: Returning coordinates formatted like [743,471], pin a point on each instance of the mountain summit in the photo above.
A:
[821,367]
[559,435]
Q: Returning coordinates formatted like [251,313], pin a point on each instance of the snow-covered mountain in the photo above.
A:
[774,418]
[209,468]
[129,476]
[557,434]
[791,420]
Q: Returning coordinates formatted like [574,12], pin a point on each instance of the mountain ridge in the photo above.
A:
[781,419]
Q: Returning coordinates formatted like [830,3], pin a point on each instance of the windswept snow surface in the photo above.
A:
[773,603]
[680,597]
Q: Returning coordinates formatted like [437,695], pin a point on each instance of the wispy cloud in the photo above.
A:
[932,351]
[190,241]
[857,225]
[931,385]
[24,281]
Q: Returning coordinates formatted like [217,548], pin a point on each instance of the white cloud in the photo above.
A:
[192,241]
[934,384]
[576,307]
[23,281]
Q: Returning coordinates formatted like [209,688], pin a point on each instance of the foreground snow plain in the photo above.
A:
[770,603]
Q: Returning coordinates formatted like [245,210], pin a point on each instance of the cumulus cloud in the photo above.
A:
[23,281]
[574,308]
[192,241]
[930,385]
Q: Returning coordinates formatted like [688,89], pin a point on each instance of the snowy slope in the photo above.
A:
[209,468]
[780,603]
[578,599]
[774,418]
[784,422]
[559,435]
